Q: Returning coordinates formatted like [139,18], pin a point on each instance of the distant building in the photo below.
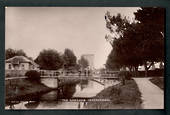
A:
[19,65]
[156,65]
[90,59]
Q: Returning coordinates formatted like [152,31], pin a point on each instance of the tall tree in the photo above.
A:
[113,62]
[151,35]
[124,52]
[69,59]
[138,42]
[9,53]
[83,63]
[152,17]
[49,59]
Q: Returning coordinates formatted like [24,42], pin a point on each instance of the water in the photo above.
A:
[83,89]
[50,82]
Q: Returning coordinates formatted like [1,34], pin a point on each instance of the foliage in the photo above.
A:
[126,74]
[153,16]
[113,62]
[9,53]
[152,73]
[83,62]
[136,43]
[151,35]
[124,52]
[49,59]
[33,75]
[69,59]
[26,90]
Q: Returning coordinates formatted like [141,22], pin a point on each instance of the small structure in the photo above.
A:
[19,65]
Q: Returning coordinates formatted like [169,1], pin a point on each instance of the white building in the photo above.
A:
[19,65]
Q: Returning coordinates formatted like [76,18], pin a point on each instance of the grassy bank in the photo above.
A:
[158,81]
[121,97]
[23,89]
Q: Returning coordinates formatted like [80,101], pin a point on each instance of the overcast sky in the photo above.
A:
[81,29]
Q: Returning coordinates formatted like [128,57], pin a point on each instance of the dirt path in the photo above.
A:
[152,96]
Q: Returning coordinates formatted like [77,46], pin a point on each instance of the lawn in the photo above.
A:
[23,89]
[121,97]
[158,81]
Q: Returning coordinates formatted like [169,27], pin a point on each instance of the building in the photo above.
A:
[156,65]
[19,65]
[90,59]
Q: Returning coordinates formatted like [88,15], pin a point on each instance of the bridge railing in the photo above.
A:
[109,73]
[56,73]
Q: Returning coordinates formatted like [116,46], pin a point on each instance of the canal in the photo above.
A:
[70,97]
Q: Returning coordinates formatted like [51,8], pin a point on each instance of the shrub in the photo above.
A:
[33,75]
[126,74]
[152,73]
[8,75]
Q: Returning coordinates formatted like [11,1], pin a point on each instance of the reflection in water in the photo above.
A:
[50,96]
[89,91]
[50,82]
[84,89]
[32,105]
[83,84]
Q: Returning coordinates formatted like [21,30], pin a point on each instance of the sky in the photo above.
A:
[81,29]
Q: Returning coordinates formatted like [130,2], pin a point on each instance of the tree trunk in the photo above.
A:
[146,72]
[146,69]
[130,68]
[133,70]
[136,71]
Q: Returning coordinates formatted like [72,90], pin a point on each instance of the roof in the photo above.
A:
[20,59]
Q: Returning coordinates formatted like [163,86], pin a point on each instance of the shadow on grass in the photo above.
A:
[158,82]
[125,96]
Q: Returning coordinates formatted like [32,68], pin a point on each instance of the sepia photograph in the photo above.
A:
[84,58]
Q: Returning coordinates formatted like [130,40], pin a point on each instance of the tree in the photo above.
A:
[113,62]
[20,53]
[139,42]
[152,16]
[33,75]
[124,52]
[151,35]
[69,59]
[49,59]
[9,53]
[83,62]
